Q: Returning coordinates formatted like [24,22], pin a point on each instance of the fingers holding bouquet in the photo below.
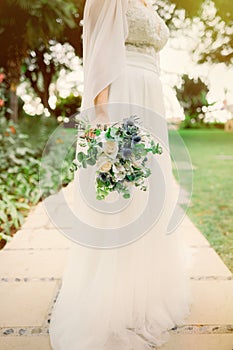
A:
[100,122]
[101,116]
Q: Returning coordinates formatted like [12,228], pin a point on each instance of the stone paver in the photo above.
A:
[39,239]
[208,263]
[25,343]
[213,302]
[180,342]
[192,235]
[31,268]
[32,263]
[36,221]
[199,342]
[26,303]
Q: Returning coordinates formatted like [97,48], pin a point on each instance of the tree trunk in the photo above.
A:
[47,81]
[13,103]
[47,73]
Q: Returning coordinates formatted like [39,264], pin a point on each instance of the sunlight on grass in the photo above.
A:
[212,201]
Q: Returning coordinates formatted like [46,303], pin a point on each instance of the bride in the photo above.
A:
[126,297]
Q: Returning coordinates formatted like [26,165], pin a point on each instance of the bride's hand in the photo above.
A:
[101,119]
[101,108]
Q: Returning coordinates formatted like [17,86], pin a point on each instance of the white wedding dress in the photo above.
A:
[127,298]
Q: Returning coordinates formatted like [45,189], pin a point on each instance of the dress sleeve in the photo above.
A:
[104,33]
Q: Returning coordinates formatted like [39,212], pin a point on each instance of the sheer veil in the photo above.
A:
[104,33]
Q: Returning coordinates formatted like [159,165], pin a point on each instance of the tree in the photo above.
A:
[192,97]
[25,26]
[216,43]
[216,37]
[41,65]
[194,8]
[73,35]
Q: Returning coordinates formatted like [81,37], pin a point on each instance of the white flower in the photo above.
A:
[105,167]
[137,163]
[128,168]
[119,171]
[146,140]
[101,137]
[110,148]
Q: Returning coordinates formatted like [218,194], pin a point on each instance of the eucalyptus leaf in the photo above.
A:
[91,161]
[81,156]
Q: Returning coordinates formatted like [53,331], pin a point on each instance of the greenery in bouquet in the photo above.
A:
[120,154]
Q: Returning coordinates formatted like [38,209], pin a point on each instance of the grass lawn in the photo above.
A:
[211,211]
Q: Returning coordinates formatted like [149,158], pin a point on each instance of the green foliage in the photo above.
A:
[38,129]
[73,35]
[55,169]
[192,97]
[193,8]
[3,94]
[216,41]
[20,159]
[225,9]
[67,106]
[25,26]
[42,66]
[18,177]
[215,20]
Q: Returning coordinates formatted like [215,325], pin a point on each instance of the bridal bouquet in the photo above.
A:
[119,153]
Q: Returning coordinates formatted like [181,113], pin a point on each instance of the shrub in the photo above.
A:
[20,158]
[186,124]
[18,177]
[68,106]
[3,97]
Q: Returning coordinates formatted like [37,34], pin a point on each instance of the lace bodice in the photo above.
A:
[148,32]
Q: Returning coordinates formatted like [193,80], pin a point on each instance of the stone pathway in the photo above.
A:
[31,268]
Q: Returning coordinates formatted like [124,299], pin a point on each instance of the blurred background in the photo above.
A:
[41,85]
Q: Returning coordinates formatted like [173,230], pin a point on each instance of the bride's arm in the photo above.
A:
[102,97]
